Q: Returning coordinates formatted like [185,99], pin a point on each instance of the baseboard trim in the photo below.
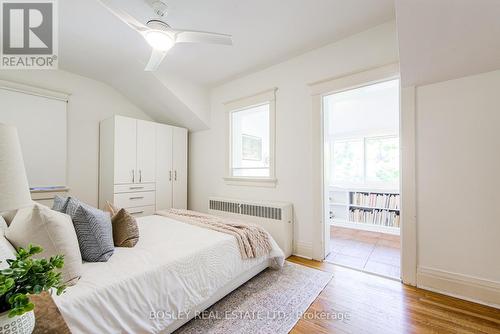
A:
[303,249]
[461,286]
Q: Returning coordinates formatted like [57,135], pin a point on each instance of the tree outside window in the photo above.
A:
[366,161]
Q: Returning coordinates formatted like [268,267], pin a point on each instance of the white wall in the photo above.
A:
[458,180]
[369,49]
[89,103]
[370,110]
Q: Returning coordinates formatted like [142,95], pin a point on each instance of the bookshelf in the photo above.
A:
[368,209]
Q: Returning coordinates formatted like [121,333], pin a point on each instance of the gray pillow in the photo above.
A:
[60,203]
[71,206]
[93,230]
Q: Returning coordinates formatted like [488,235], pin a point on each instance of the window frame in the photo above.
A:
[364,139]
[263,98]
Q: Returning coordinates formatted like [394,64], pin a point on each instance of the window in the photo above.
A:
[382,160]
[362,128]
[348,161]
[251,139]
[366,161]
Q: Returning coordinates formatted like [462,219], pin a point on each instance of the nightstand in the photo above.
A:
[48,318]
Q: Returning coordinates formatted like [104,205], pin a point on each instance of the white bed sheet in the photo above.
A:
[173,270]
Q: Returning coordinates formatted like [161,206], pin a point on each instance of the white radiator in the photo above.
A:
[274,217]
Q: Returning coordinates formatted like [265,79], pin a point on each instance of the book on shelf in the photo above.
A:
[373,200]
[375,217]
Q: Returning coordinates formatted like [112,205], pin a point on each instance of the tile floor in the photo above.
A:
[373,252]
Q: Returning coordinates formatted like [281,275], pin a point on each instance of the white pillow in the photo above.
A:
[8,216]
[53,231]
[7,251]
[3,224]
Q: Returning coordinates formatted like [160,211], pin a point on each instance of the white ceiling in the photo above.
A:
[95,43]
[264,32]
[447,39]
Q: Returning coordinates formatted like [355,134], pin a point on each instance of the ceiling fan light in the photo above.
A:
[159,40]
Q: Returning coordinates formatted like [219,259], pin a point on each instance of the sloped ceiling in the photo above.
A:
[96,44]
[447,39]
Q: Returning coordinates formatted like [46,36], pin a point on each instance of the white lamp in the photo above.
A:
[14,188]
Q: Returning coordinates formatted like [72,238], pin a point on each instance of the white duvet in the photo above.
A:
[174,268]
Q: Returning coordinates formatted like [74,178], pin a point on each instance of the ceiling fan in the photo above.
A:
[162,37]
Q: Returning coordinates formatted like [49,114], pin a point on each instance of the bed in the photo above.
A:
[174,271]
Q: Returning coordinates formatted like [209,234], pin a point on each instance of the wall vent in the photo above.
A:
[261,211]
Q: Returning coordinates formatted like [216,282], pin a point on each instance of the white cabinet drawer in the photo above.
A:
[142,211]
[135,199]
[134,187]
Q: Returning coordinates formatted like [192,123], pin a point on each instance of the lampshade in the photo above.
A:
[14,188]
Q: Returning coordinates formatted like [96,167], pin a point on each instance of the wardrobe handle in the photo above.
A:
[138,197]
[133,176]
[170,175]
[175,175]
[137,212]
[140,176]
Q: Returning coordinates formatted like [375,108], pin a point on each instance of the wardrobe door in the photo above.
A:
[146,152]
[180,167]
[164,174]
[125,144]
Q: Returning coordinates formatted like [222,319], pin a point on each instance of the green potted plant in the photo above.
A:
[26,276]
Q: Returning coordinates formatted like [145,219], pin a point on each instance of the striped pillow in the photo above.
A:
[60,203]
[93,230]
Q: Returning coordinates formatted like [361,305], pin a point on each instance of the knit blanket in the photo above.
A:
[253,241]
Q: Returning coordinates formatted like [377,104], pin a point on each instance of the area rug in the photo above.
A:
[271,302]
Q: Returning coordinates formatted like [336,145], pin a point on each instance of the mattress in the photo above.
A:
[174,271]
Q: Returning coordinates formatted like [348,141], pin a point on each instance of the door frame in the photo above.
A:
[407,161]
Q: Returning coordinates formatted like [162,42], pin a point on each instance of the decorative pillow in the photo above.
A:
[8,216]
[125,230]
[71,206]
[3,224]
[111,208]
[93,230]
[60,203]
[53,231]
[7,251]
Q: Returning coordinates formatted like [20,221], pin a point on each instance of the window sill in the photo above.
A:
[251,181]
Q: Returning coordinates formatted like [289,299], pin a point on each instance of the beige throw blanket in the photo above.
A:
[253,241]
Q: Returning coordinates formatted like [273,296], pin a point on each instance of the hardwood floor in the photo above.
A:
[372,304]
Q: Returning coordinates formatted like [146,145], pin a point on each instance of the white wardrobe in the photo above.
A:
[143,165]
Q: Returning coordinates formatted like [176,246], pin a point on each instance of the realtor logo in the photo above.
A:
[29,34]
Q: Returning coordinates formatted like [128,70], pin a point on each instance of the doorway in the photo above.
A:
[362,177]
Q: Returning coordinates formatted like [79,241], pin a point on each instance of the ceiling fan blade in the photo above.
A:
[124,16]
[188,36]
[155,60]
